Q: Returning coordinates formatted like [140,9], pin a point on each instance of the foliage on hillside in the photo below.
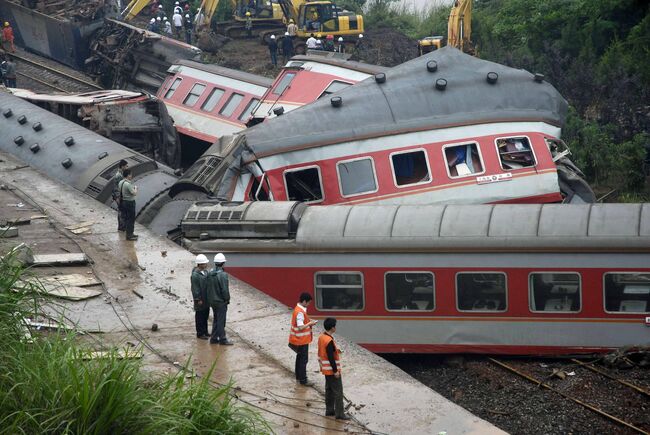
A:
[595,52]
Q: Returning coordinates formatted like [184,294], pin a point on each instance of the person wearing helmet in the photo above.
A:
[168,28]
[273,50]
[177,19]
[341,45]
[199,282]
[360,47]
[151,25]
[218,292]
[287,47]
[157,25]
[319,42]
[161,12]
[329,43]
[8,38]
[292,29]
[189,26]
[249,25]
[177,8]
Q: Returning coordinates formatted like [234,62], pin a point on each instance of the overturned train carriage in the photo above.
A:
[442,128]
[499,279]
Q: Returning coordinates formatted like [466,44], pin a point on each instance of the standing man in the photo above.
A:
[311,42]
[341,47]
[329,358]
[178,23]
[128,191]
[168,28]
[273,50]
[188,29]
[287,47]
[119,176]
[199,281]
[249,25]
[8,38]
[292,29]
[9,72]
[300,336]
[219,297]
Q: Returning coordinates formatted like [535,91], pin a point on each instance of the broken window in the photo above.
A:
[627,292]
[410,167]
[552,291]
[194,94]
[356,177]
[335,86]
[228,108]
[284,83]
[172,89]
[409,291]
[213,99]
[248,110]
[339,291]
[515,152]
[481,291]
[463,160]
[304,184]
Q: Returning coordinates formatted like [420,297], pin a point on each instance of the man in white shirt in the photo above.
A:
[311,42]
[178,24]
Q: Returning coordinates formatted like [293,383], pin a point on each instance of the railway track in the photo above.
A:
[575,394]
[41,77]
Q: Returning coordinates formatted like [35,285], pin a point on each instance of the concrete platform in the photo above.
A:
[383,398]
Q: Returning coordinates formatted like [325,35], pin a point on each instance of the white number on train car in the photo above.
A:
[494,178]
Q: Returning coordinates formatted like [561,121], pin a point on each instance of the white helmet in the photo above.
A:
[219,258]
[272,36]
[160,6]
[177,3]
[202,259]
[153,20]
[286,33]
[158,19]
[165,19]
[360,35]
[187,15]
[340,39]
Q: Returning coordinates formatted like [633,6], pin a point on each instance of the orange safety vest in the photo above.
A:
[323,361]
[299,337]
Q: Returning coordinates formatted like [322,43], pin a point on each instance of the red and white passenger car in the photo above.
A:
[498,279]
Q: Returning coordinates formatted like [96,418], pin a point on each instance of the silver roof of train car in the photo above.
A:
[409,101]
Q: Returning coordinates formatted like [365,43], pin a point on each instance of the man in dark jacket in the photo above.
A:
[273,50]
[219,297]
[199,281]
[119,175]
[287,47]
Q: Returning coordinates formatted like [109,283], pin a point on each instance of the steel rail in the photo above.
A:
[588,365]
[42,82]
[56,71]
[566,396]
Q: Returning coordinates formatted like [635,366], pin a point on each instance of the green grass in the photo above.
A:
[46,385]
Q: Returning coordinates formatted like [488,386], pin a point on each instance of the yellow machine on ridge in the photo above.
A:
[459,30]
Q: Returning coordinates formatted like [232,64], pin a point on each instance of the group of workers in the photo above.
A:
[182,22]
[210,289]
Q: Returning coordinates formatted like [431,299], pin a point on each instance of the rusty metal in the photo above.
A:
[566,396]
[589,365]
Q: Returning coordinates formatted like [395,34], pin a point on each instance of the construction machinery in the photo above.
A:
[459,30]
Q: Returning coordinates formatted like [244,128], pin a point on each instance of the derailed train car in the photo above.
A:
[527,279]
[443,128]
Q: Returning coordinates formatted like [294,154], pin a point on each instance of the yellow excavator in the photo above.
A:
[459,30]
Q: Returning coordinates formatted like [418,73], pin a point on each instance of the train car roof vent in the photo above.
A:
[8,113]
[277,111]
[380,78]
[432,66]
[22,119]
[69,141]
[102,155]
[336,101]
[35,148]
[66,163]
[37,126]
[441,84]
[492,77]
[19,140]
[539,78]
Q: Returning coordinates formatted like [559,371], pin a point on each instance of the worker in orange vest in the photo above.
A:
[329,359]
[8,38]
[300,336]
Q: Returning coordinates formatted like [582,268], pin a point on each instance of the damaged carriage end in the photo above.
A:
[573,185]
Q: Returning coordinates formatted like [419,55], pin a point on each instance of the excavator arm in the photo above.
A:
[290,9]
[133,8]
[459,28]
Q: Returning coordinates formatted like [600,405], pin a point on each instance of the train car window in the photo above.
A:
[304,184]
[515,153]
[230,106]
[172,89]
[554,292]
[339,291]
[409,291]
[248,110]
[284,83]
[627,292]
[213,99]
[463,160]
[194,94]
[357,177]
[335,86]
[410,167]
[481,291]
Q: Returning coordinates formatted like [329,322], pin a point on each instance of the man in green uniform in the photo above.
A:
[128,191]
[119,175]
[219,298]
[199,282]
